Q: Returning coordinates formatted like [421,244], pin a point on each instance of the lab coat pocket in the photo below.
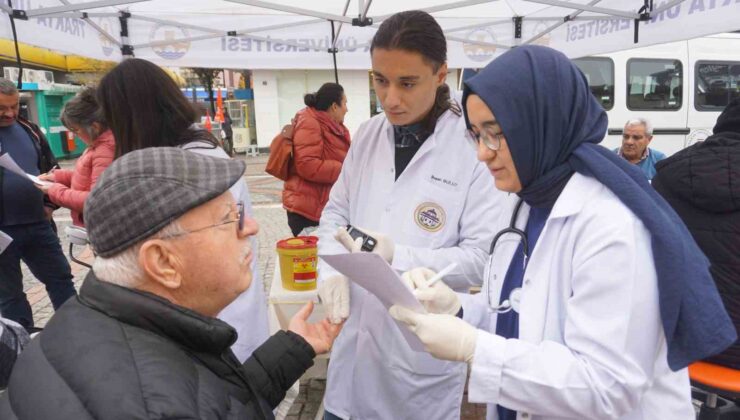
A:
[432,217]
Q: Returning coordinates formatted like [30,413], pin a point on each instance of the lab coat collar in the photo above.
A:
[575,195]
[432,140]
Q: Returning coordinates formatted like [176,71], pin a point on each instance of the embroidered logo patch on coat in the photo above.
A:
[430,216]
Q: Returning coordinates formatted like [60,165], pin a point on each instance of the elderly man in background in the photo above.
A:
[141,341]
[635,140]
[25,215]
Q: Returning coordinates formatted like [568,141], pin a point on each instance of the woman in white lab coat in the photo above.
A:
[596,298]
[410,175]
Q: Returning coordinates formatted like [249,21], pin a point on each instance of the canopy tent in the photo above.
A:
[284,34]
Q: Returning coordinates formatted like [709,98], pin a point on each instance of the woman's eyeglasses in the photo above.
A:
[491,140]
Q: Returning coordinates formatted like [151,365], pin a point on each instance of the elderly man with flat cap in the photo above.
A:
[142,340]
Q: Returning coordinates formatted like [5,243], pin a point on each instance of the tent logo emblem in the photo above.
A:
[106,44]
[174,49]
[477,52]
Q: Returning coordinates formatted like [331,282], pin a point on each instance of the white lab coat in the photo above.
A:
[440,210]
[248,312]
[591,342]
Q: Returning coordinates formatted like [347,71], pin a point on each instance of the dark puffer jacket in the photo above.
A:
[115,353]
[702,183]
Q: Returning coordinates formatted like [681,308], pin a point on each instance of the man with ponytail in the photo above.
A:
[410,180]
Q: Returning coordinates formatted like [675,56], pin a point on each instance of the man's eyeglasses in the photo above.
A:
[491,140]
[235,218]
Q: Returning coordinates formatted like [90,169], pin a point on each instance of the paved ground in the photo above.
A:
[266,197]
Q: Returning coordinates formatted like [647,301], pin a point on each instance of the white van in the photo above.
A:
[681,87]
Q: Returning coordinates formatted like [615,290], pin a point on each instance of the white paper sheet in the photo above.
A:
[38,181]
[372,273]
[7,162]
[5,241]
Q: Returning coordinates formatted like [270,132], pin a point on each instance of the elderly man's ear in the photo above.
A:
[161,263]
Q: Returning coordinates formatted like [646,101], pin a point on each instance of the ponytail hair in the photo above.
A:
[328,94]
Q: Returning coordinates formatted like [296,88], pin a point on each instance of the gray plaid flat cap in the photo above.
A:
[144,190]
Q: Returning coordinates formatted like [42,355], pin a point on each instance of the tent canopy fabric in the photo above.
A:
[285,34]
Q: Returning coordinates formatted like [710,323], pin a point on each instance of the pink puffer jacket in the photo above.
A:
[71,187]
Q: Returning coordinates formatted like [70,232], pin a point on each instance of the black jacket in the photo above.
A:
[46,159]
[702,183]
[121,354]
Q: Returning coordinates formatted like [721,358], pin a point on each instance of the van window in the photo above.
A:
[600,75]
[654,85]
[716,85]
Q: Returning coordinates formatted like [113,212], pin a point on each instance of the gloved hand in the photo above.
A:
[334,295]
[445,337]
[438,298]
[383,246]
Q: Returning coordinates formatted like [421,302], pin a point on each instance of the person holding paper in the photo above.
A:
[596,298]
[411,181]
[70,188]
[26,215]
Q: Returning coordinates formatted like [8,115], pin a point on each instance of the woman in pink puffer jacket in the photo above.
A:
[82,116]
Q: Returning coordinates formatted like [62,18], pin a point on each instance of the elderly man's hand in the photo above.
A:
[384,244]
[320,335]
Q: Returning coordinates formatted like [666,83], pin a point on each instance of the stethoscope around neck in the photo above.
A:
[512,303]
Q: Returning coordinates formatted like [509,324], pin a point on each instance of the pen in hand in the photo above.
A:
[445,271]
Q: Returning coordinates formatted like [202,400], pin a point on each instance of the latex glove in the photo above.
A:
[384,244]
[334,295]
[437,299]
[320,336]
[445,337]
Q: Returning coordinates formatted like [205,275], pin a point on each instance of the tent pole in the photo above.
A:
[12,16]
[364,12]
[127,50]
[587,8]
[333,51]
[44,11]
[339,30]
[567,18]
[517,30]
[439,8]
[644,17]
[86,17]
[294,10]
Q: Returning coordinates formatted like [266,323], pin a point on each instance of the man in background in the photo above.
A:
[638,134]
[25,215]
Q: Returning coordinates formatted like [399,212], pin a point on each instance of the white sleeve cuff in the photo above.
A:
[474,312]
[486,368]
[402,258]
